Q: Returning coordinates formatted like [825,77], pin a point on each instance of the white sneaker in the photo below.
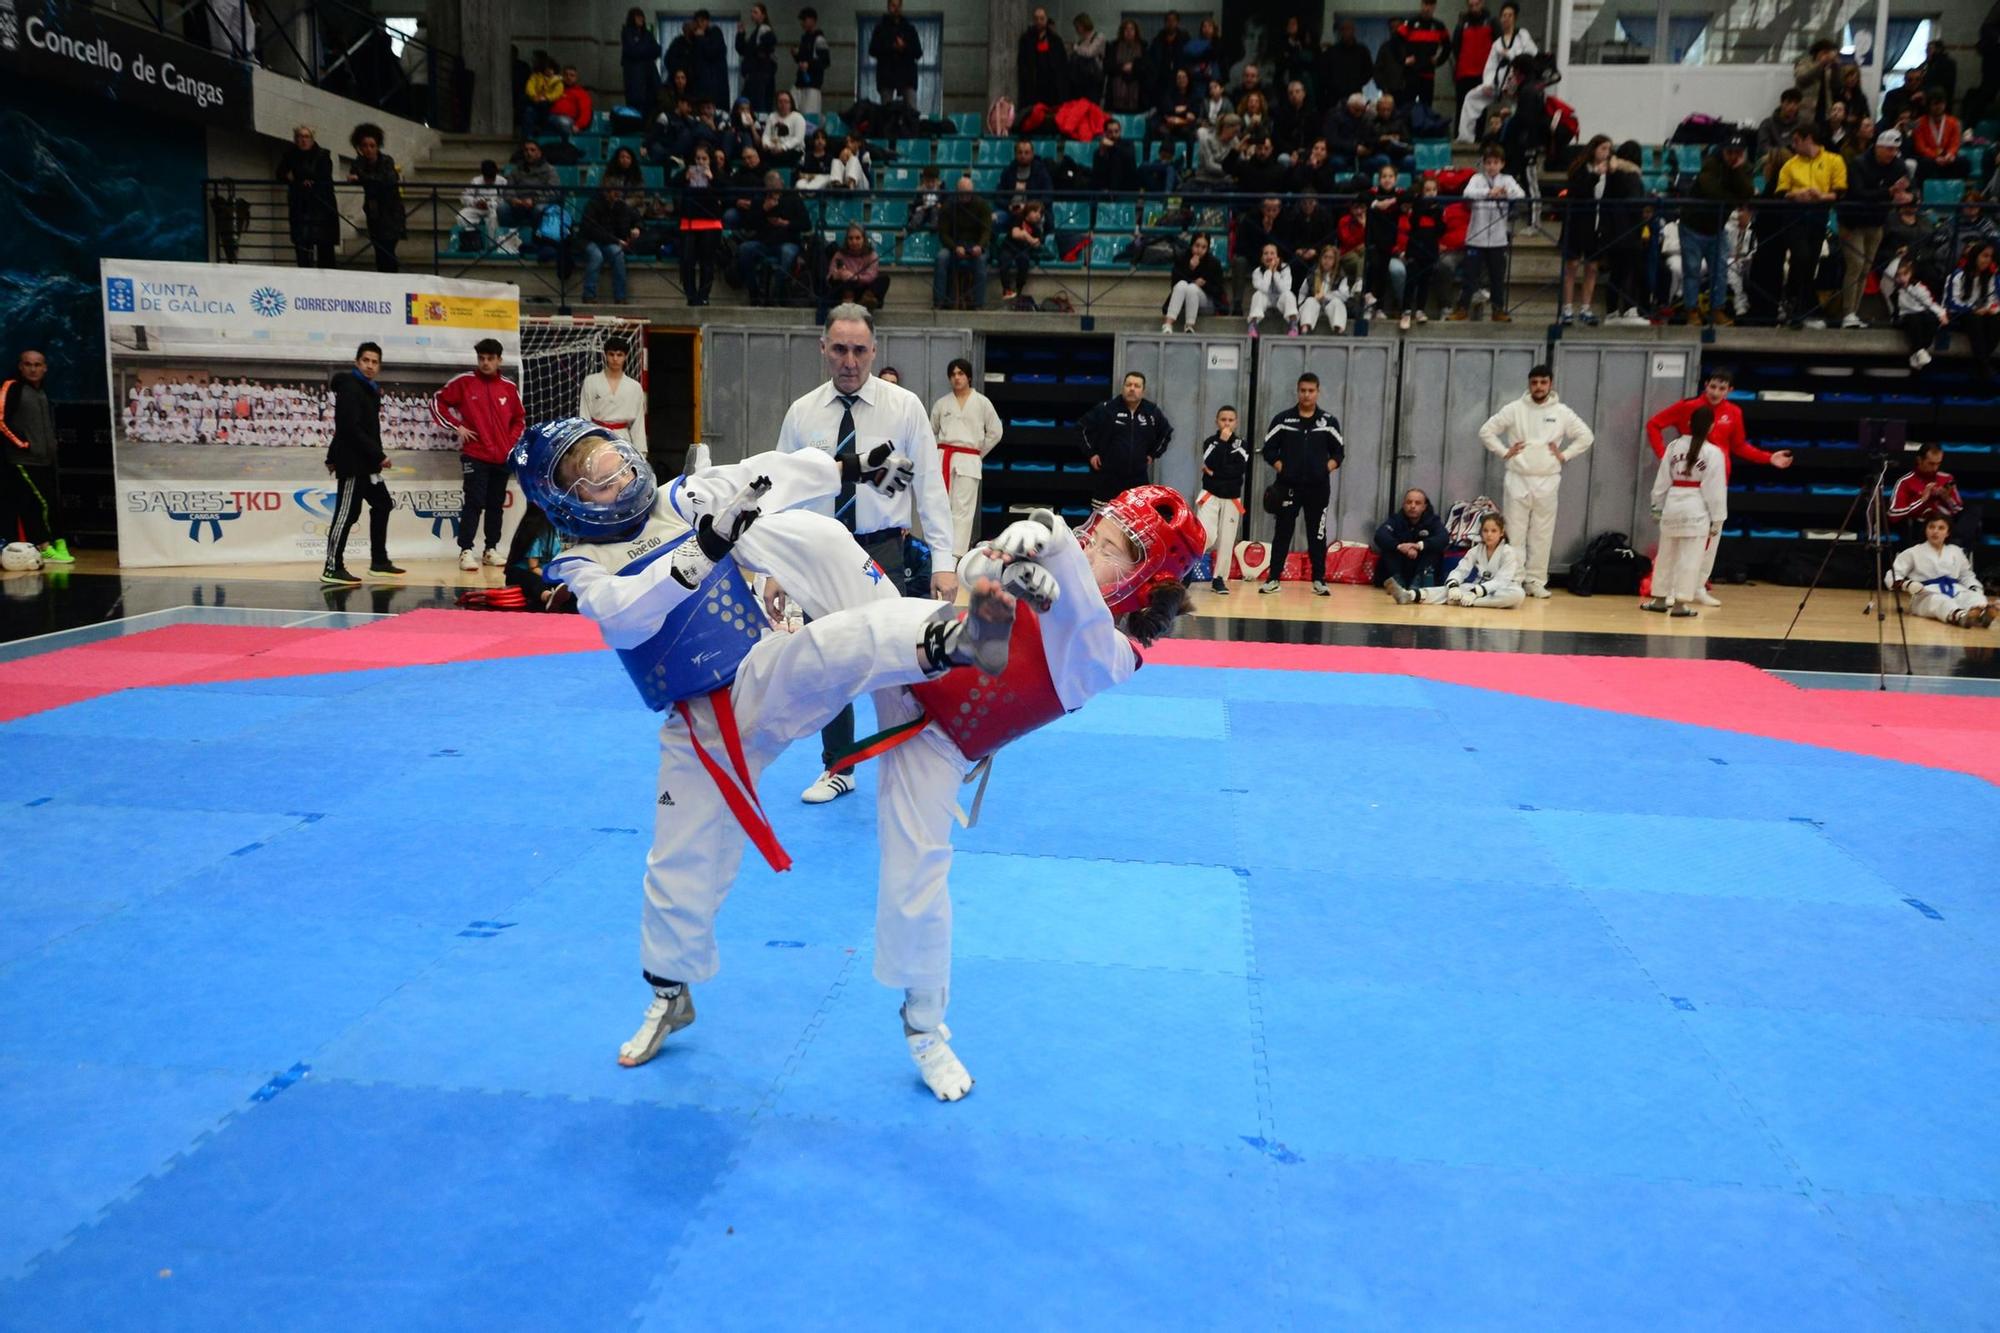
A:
[1703,597]
[1919,359]
[828,787]
[467,560]
[1403,596]
[1166,326]
[491,557]
[1538,590]
[1815,323]
[1852,321]
[1320,589]
[1271,586]
[942,1073]
[671,1010]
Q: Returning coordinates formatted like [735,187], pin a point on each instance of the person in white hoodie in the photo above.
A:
[1489,575]
[1691,500]
[1914,308]
[1324,293]
[479,204]
[1940,580]
[1536,434]
[1271,289]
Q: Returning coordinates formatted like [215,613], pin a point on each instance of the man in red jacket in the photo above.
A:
[571,111]
[1421,43]
[1726,434]
[483,408]
[1471,41]
[1927,492]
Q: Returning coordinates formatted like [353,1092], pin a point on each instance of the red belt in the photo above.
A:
[945,451]
[738,789]
[610,425]
[1687,485]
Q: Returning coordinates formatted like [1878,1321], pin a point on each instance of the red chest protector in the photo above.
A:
[980,713]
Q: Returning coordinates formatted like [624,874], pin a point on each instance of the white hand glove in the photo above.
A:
[727,524]
[885,471]
[1024,539]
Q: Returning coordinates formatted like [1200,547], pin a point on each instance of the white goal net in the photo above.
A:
[557,351]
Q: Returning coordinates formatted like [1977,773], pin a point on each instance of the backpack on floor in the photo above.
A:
[1609,566]
[1461,522]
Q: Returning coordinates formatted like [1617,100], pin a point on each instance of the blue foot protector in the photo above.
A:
[1422,1246]
[1040,1040]
[1099,1239]
[1519,1081]
[412,1209]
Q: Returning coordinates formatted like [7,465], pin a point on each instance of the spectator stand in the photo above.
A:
[1041,387]
[1813,404]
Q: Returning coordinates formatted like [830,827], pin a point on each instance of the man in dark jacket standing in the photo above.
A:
[1877,180]
[28,502]
[1304,448]
[1043,64]
[307,171]
[1411,543]
[1723,185]
[701,51]
[1344,68]
[897,52]
[356,459]
[1121,438]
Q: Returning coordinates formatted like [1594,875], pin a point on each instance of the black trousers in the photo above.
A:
[485,493]
[1313,509]
[1920,329]
[885,548]
[347,508]
[1417,571]
[698,251]
[1807,235]
[1108,483]
[24,505]
[1983,332]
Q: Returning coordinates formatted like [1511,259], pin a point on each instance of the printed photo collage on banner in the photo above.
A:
[222,409]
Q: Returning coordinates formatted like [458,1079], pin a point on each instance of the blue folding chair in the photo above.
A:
[920,247]
[954,152]
[1432,155]
[1117,217]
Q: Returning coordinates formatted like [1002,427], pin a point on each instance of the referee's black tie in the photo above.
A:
[844,507]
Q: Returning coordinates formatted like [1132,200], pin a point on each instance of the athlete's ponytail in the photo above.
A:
[1699,425]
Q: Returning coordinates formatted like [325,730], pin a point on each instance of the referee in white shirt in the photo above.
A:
[855,411]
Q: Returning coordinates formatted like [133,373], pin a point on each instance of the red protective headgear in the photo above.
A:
[1163,529]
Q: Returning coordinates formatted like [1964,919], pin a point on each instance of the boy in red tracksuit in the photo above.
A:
[484,409]
[1726,434]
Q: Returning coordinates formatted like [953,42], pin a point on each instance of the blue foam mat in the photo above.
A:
[1396,1004]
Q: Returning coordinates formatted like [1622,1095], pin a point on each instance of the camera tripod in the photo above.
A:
[1884,442]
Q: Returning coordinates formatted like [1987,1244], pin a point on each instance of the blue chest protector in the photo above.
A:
[703,641]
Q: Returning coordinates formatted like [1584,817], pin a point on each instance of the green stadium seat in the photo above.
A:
[1134,125]
[899,178]
[1218,244]
[954,152]
[1105,249]
[1433,156]
[994,152]
[1084,153]
[1650,159]
[1944,192]
[1045,149]
[911,152]
[920,247]
[889,213]
[1976,159]
[837,212]
[1687,157]
[1656,181]
[965,124]
[1117,218]
[986,179]
[1072,215]
[570,176]
[835,127]
[884,243]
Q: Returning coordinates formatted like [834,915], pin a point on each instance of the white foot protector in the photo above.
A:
[942,1073]
[670,1011]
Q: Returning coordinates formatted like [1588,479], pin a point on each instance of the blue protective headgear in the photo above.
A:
[535,458]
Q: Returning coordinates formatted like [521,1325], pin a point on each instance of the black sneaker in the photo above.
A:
[1217,585]
[338,577]
[385,568]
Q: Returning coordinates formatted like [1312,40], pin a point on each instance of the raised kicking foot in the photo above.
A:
[671,1010]
[942,1073]
[976,639]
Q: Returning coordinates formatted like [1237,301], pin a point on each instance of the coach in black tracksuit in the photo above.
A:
[1304,447]
[1121,438]
[355,457]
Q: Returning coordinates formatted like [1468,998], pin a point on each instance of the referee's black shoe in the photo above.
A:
[338,577]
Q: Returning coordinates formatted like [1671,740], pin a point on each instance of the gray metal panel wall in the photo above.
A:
[1357,383]
[1614,386]
[1190,377]
[750,375]
[1450,388]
